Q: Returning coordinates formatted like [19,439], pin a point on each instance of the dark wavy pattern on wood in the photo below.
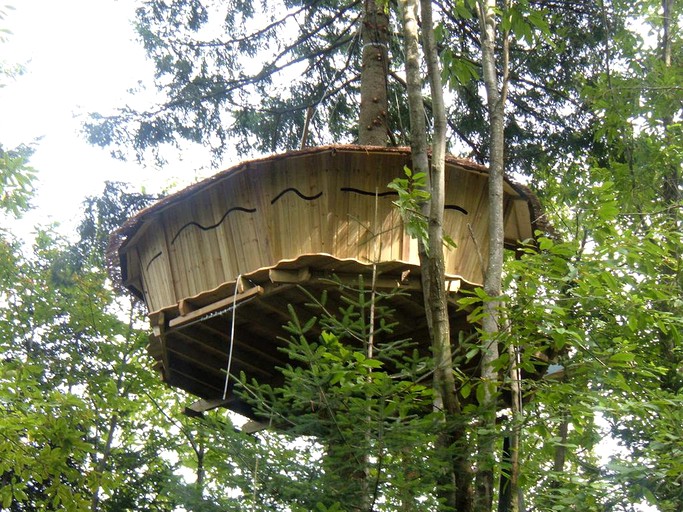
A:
[384,194]
[213,226]
[298,193]
[456,207]
[152,260]
[366,193]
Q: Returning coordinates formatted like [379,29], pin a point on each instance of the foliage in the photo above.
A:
[361,416]
[204,53]
[16,180]
[412,194]
[80,428]
[595,124]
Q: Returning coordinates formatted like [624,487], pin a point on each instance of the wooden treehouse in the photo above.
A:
[256,234]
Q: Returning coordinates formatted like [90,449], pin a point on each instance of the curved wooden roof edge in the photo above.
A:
[121,235]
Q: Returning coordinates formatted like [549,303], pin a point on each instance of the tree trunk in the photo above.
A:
[454,487]
[516,435]
[560,455]
[671,198]
[102,463]
[493,276]
[454,438]
[372,129]
[671,191]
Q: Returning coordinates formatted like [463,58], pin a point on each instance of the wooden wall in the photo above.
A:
[334,202]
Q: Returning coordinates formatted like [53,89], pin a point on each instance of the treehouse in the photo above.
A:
[219,263]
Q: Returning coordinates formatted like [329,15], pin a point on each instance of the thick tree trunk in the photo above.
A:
[372,129]
[494,268]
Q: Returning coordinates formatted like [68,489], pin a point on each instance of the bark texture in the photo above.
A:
[455,485]
[454,438]
[494,268]
[372,129]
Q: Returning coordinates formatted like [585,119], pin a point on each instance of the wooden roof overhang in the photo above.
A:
[192,314]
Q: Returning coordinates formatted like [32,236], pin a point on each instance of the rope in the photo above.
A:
[232,336]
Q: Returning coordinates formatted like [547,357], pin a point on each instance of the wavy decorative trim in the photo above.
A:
[152,260]
[366,193]
[298,193]
[214,226]
[457,208]
[391,193]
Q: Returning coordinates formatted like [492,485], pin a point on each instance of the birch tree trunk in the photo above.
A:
[455,486]
[433,271]
[493,276]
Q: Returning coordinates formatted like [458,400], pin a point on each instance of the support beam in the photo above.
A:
[216,306]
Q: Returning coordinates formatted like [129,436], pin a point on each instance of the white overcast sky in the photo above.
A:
[80,56]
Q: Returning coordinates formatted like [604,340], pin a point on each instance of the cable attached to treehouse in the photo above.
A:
[232,336]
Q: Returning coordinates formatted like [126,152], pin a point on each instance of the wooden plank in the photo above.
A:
[251,427]
[185,307]
[173,260]
[382,282]
[222,201]
[179,378]
[154,348]
[201,364]
[204,404]
[247,343]
[202,354]
[224,303]
[289,276]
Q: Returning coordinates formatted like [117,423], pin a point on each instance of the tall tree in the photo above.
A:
[210,88]
[373,121]
[492,319]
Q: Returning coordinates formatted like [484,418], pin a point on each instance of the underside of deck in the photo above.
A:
[191,340]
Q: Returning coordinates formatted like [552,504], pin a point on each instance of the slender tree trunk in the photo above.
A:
[436,305]
[200,452]
[372,129]
[561,448]
[102,463]
[454,487]
[671,192]
[513,438]
[418,128]
[493,276]
[671,196]
[504,494]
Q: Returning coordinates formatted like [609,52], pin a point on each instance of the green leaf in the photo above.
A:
[622,357]
[466,389]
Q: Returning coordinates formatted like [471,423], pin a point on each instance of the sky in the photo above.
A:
[80,56]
